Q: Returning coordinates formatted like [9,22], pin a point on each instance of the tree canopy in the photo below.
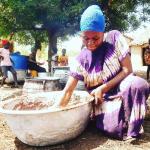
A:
[62,16]
[46,20]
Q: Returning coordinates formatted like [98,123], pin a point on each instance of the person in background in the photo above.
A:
[33,64]
[54,60]
[147,58]
[54,63]
[6,63]
[63,59]
[104,65]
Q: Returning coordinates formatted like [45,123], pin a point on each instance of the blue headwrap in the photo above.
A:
[92,19]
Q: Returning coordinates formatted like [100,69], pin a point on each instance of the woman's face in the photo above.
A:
[92,39]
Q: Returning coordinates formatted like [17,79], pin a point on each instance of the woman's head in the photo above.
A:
[92,26]
[5,44]
[92,39]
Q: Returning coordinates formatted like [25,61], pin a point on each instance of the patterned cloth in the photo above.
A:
[103,64]
[124,114]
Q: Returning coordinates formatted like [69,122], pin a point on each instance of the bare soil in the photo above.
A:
[90,139]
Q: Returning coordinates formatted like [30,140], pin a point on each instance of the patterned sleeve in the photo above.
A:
[115,38]
[76,69]
[121,46]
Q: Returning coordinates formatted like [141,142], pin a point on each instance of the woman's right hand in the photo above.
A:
[67,92]
[62,100]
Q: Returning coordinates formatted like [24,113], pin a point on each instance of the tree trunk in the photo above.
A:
[37,44]
[52,47]
[34,49]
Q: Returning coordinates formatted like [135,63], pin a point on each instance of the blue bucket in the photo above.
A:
[20,62]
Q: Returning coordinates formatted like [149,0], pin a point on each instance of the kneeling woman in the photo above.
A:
[105,67]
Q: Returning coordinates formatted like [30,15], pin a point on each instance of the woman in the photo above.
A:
[6,63]
[105,67]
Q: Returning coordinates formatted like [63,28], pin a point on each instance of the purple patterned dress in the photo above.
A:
[123,115]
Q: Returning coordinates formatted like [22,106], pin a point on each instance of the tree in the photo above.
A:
[57,18]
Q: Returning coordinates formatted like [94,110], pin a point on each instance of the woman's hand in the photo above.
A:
[40,63]
[65,96]
[62,101]
[98,94]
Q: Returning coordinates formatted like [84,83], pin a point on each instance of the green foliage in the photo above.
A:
[61,17]
[37,21]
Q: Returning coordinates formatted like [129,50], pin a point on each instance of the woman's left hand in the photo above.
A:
[98,94]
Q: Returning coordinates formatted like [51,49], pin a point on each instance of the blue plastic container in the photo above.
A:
[20,61]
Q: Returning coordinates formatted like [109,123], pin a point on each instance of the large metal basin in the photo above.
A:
[48,126]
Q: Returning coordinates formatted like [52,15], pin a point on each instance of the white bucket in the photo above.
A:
[21,75]
[44,74]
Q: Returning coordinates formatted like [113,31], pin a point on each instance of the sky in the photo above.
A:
[141,35]
[141,28]
[72,45]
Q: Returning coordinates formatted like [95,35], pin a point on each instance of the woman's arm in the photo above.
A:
[31,60]
[101,90]
[11,35]
[126,70]
[68,90]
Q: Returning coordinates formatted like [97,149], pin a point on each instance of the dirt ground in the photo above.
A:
[90,139]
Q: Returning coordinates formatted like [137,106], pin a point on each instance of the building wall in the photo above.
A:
[136,57]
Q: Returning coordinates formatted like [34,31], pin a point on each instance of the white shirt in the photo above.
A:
[6,57]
